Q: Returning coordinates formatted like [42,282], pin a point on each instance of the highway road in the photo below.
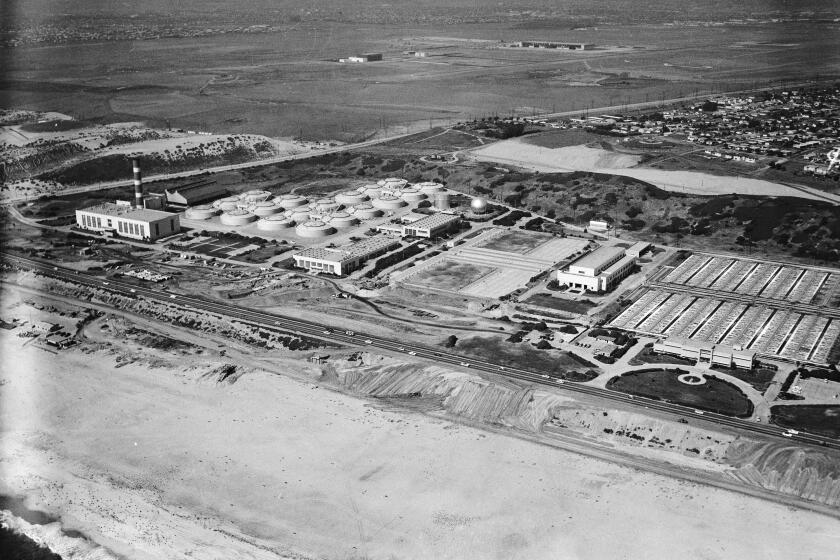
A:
[331,334]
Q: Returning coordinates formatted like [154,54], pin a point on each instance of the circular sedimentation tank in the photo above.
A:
[388,202]
[237,218]
[314,228]
[228,201]
[372,190]
[323,205]
[202,212]
[429,187]
[410,194]
[288,201]
[255,195]
[392,183]
[228,206]
[264,208]
[299,215]
[366,211]
[274,223]
[342,220]
[350,197]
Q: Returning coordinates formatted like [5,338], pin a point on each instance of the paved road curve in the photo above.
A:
[327,332]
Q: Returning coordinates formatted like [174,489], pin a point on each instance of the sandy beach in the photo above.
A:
[163,463]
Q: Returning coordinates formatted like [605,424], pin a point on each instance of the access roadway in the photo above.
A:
[330,334]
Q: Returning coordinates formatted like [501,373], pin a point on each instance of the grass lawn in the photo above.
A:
[450,275]
[817,419]
[759,378]
[662,384]
[648,356]
[560,304]
[554,363]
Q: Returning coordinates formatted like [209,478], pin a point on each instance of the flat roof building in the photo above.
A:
[706,352]
[598,271]
[344,261]
[126,221]
[428,226]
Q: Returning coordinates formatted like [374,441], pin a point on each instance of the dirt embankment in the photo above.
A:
[807,474]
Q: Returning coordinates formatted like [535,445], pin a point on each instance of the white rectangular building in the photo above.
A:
[344,261]
[428,226]
[127,221]
[598,271]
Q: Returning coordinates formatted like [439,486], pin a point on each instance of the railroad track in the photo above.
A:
[331,334]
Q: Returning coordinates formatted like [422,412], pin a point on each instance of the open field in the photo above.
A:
[450,275]
[514,242]
[596,160]
[713,395]
[817,419]
[264,71]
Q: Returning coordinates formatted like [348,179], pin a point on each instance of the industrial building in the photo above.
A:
[367,57]
[127,221]
[555,45]
[195,193]
[598,271]
[705,352]
[428,227]
[344,261]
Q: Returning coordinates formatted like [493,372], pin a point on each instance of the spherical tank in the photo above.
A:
[237,218]
[274,223]
[202,212]
[314,228]
[478,205]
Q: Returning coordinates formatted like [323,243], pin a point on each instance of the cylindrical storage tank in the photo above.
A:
[388,202]
[230,201]
[265,208]
[348,198]
[393,183]
[366,211]
[429,187]
[410,194]
[288,201]
[299,215]
[237,218]
[342,220]
[325,205]
[314,228]
[228,206]
[202,212]
[256,195]
[274,223]
[372,190]
[442,200]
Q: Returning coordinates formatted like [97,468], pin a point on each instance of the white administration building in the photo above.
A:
[127,221]
[706,352]
[598,271]
[344,261]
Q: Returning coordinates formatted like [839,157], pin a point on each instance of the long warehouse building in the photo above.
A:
[126,221]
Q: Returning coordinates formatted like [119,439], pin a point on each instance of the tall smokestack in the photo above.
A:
[138,185]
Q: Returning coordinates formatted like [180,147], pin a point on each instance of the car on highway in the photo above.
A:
[787,434]
[132,290]
[368,341]
[172,296]
[560,381]
[412,353]
[328,331]
[700,412]
[55,268]
[104,283]
[401,349]
[465,364]
[793,432]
